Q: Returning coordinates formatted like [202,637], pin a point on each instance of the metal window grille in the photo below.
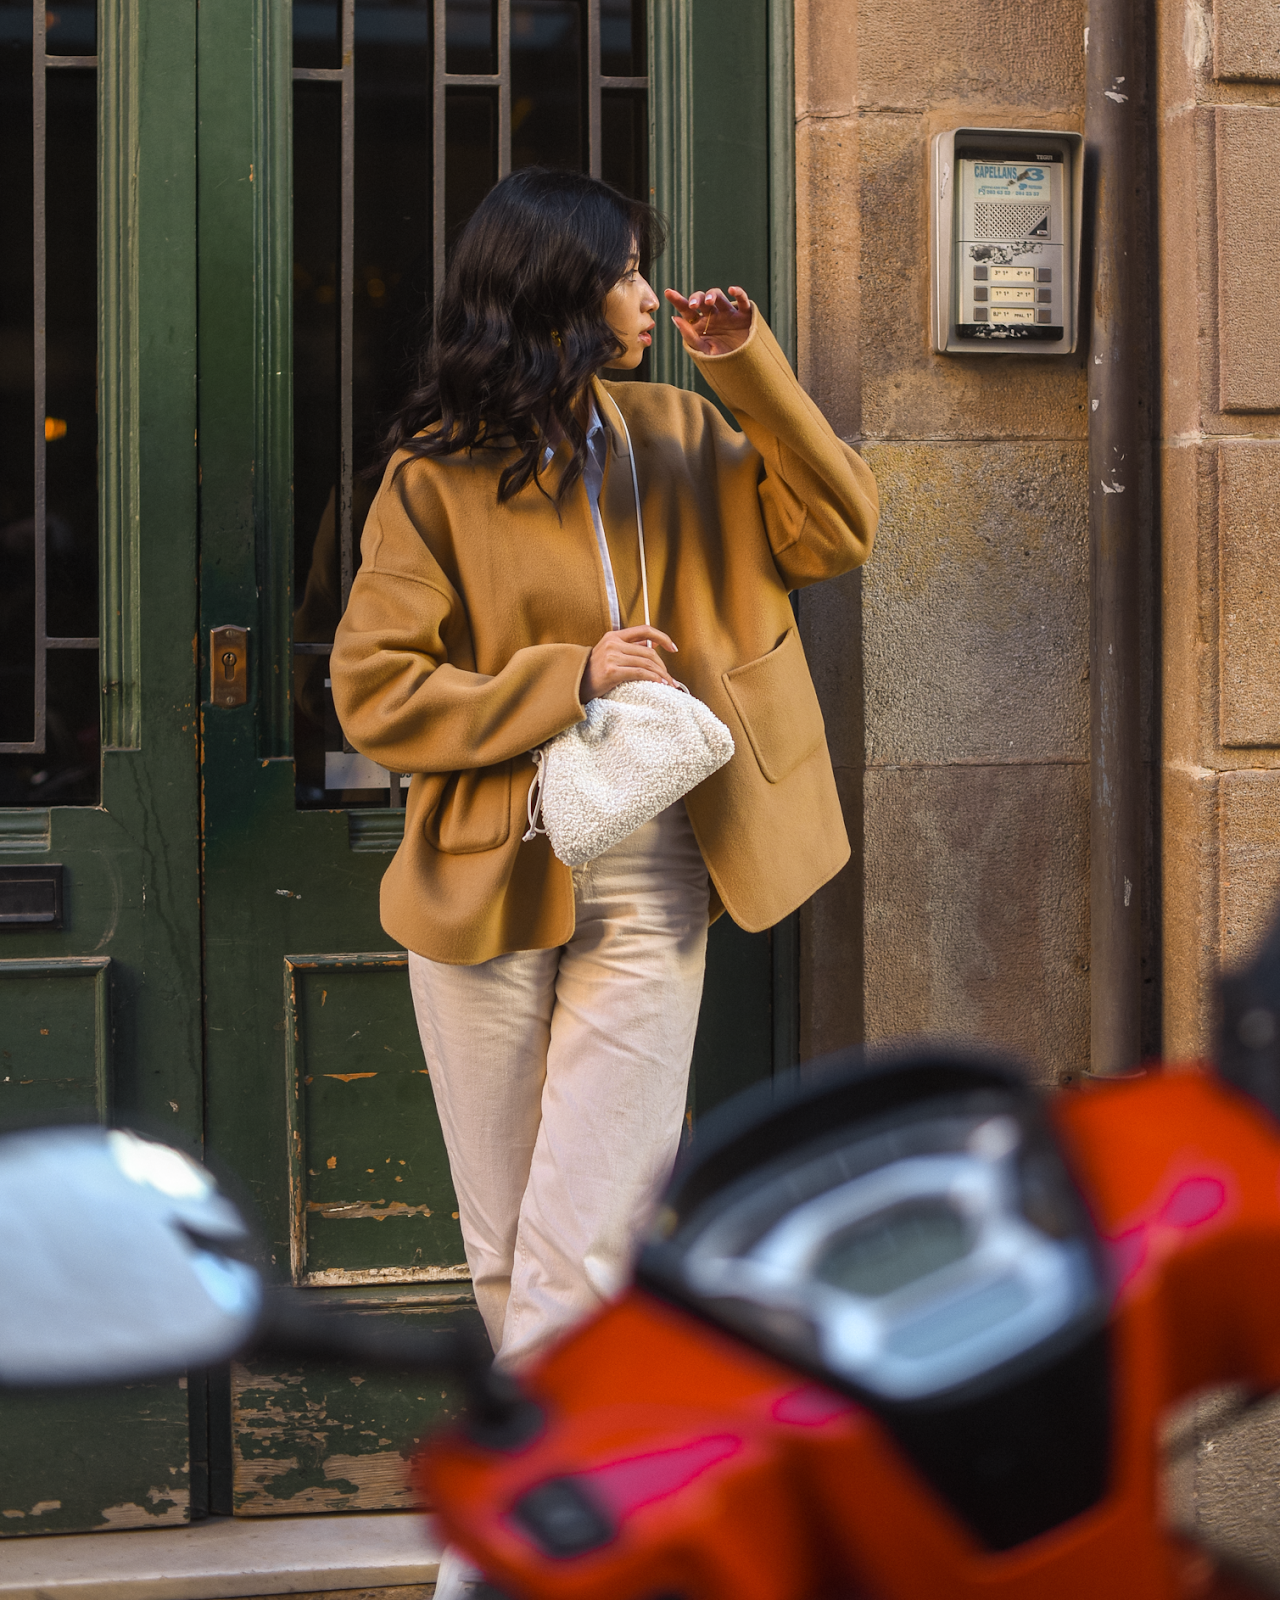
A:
[41,64]
[595,82]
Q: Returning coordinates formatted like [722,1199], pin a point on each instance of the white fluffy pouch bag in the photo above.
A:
[640,748]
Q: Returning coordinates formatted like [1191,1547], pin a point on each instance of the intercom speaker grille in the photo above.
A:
[1010,219]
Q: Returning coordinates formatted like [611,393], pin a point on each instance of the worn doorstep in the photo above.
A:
[224,1558]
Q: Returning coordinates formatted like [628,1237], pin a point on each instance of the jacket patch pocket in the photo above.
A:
[473,813]
[776,700]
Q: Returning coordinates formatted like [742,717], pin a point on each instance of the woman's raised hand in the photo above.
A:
[711,322]
[626,656]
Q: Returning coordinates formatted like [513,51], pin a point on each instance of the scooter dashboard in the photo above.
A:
[906,1249]
[909,1256]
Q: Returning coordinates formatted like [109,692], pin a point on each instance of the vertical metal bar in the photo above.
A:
[437,148]
[39,110]
[594,154]
[782,175]
[346,298]
[1115,483]
[504,87]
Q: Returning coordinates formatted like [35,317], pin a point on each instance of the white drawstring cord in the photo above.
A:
[533,801]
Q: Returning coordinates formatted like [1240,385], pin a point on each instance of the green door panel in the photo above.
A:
[94,1459]
[369,1178]
[56,1046]
[324,1439]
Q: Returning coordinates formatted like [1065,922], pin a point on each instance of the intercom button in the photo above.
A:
[979,274]
[980,294]
[1044,316]
[1044,297]
[980,314]
[1044,274]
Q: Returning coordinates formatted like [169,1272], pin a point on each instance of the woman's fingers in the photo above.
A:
[636,658]
[711,302]
[710,321]
[642,630]
[627,655]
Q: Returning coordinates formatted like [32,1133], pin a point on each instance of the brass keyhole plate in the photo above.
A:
[229,666]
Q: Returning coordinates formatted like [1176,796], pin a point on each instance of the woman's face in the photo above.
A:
[628,309]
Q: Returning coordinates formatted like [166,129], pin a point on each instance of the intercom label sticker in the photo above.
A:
[1005,180]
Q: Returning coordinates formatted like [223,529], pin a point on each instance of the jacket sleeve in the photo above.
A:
[402,684]
[818,495]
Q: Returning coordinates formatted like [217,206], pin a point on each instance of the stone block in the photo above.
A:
[831,628]
[828,287]
[1189,910]
[908,391]
[976,909]
[1186,301]
[1249,861]
[975,604]
[826,55]
[1246,40]
[831,996]
[1249,594]
[1248,149]
[1230,1489]
[1189,602]
[984,57]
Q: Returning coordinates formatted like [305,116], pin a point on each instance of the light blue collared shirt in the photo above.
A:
[593,481]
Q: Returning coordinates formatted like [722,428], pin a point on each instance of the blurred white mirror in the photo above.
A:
[119,1259]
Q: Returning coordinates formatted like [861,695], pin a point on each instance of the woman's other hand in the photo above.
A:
[626,656]
[711,322]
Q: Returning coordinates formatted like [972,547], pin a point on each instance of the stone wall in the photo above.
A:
[954,668]
[1219,92]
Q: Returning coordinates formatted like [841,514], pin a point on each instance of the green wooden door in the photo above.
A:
[221,977]
[100,1015]
[316,1091]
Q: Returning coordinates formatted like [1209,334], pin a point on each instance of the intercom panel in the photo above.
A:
[1006,241]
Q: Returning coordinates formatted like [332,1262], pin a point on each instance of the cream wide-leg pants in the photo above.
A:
[560,1079]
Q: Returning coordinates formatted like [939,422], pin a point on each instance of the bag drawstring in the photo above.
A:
[533,802]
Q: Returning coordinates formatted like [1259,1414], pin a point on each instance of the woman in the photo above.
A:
[499,591]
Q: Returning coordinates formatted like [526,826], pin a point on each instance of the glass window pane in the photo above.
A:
[71,290]
[67,774]
[471,153]
[317,33]
[65,771]
[392,215]
[471,36]
[622,39]
[317,135]
[624,141]
[71,30]
[547,87]
[17,401]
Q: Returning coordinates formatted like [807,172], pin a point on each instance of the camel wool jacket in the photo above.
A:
[470,624]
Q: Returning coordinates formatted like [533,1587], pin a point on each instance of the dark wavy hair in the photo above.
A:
[520,328]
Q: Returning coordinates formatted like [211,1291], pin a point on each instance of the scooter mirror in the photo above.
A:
[119,1259]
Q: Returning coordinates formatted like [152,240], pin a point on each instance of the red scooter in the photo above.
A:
[904,1328]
